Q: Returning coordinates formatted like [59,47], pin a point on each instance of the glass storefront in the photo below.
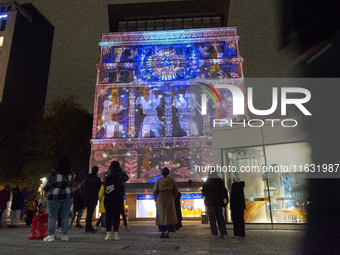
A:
[192,205]
[271,197]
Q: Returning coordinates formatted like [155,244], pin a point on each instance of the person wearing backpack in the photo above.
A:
[114,200]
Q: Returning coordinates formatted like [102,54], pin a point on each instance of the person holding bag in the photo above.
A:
[59,196]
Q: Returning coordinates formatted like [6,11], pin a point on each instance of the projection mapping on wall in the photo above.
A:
[147,113]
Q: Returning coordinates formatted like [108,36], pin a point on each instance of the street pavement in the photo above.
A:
[143,238]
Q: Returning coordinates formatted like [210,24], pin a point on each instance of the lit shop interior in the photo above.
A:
[278,192]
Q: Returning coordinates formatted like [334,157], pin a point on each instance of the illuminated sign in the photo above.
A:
[191,196]
[3,16]
[145,197]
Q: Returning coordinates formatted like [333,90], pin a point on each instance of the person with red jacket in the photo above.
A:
[5,196]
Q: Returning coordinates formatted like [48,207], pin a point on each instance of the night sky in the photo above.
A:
[78,27]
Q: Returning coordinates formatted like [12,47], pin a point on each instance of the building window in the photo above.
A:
[1,40]
[169,24]
[3,9]
[3,25]
[9,8]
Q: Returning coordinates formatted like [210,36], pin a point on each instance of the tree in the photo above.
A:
[65,128]
[10,145]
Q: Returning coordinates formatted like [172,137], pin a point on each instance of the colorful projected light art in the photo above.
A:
[148,114]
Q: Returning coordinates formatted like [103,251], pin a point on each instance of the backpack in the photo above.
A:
[112,187]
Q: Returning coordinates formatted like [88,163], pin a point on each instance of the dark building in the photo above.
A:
[26,38]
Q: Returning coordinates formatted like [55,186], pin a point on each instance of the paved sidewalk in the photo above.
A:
[143,238]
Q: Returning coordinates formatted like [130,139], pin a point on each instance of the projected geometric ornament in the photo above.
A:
[167,64]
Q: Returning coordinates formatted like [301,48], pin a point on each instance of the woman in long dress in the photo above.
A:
[164,192]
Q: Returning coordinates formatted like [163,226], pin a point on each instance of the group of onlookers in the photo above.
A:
[63,190]
[20,207]
[216,197]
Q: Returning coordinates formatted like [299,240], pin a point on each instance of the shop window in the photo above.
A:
[1,40]
[272,196]
[288,190]
[3,25]
[255,190]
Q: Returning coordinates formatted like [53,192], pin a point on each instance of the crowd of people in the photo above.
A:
[63,189]
[24,205]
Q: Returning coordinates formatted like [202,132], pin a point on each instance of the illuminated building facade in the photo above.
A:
[148,111]
[147,115]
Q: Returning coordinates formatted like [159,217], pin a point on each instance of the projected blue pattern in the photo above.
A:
[152,63]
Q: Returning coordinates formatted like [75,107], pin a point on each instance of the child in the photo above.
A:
[31,206]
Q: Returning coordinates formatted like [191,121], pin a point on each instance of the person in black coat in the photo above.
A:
[237,206]
[178,211]
[214,193]
[90,189]
[17,202]
[78,204]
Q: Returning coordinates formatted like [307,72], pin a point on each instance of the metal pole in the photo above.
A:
[265,162]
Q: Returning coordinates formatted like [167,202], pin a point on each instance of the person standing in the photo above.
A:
[164,191]
[102,210]
[78,204]
[17,202]
[90,189]
[31,209]
[124,218]
[214,193]
[178,211]
[237,206]
[114,198]
[5,196]
[59,196]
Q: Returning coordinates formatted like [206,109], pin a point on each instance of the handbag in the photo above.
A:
[39,228]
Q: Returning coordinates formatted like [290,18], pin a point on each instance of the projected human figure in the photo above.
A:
[110,126]
[182,104]
[194,107]
[151,122]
